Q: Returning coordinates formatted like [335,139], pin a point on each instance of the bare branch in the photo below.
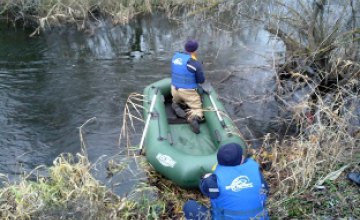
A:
[291,44]
[319,7]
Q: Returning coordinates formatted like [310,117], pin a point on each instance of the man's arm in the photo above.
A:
[264,183]
[209,186]
[196,68]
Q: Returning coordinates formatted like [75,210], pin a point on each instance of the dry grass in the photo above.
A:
[69,191]
[69,188]
[132,113]
[43,14]
[308,172]
[172,196]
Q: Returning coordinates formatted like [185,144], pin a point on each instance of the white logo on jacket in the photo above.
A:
[178,61]
[165,160]
[240,183]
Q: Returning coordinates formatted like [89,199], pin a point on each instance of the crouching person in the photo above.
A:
[237,189]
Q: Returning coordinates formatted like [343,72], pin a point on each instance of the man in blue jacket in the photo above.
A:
[186,74]
[237,189]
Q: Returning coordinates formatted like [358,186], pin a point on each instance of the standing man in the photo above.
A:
[186,74]
[237,189]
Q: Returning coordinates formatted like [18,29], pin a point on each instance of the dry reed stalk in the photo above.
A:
[70,185]
[320,148]
[132,113]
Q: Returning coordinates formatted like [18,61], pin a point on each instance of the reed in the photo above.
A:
[70,191]
[42,14]
[69,186]
[307,172]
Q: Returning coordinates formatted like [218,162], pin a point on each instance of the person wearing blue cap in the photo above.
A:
[237,189]
[186,74]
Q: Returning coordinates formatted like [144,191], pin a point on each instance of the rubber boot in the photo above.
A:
[178,110]
[194,124]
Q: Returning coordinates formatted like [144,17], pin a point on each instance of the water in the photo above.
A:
[51,84]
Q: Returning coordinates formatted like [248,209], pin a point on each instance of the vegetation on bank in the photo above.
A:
[70,192]
[306,171]
[306,174]
[44,14]
[67,190]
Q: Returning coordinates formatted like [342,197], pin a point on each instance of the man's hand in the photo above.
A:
[200,90]
[208,186]
[206,175]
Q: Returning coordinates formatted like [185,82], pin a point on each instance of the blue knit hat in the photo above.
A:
[230,154]
[191,46]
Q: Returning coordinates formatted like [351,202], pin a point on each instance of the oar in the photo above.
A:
[147,123]
[222,122]
[206,88]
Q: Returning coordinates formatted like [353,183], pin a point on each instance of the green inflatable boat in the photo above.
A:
[170,145]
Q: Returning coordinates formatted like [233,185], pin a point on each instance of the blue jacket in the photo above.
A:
[236,192]
[186,72]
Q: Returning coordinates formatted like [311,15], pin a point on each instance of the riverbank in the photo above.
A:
[306,174]
[304,181]
[40,16]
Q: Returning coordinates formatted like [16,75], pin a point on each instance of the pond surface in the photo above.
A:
[51,84]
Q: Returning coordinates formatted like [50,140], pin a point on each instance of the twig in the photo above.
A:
[82,142]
